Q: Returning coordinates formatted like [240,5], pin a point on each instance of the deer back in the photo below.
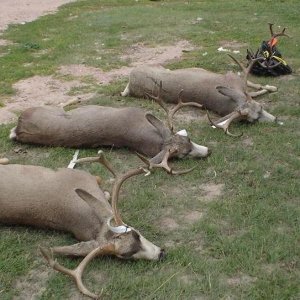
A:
[89,126]
[198,85]
[44,198]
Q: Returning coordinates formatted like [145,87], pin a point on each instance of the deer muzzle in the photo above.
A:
[149,251]
[266,117]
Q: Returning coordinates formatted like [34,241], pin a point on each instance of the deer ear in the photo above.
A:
[234,95]
[92,201]
[159,125]
[157,159]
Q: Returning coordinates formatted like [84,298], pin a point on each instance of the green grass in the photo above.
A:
[246,245]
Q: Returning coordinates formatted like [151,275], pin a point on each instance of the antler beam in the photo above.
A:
[225,122]
[164,164]
[171,112]
[274,35]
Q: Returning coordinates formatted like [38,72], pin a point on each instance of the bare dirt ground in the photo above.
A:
[19,11]
[48,90]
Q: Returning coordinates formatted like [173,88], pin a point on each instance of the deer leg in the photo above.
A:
[4,161]
[267,88]
[258,93]
[79,249]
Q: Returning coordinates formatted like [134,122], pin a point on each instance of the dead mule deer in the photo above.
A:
[71,200]
[94,126]
[225,95]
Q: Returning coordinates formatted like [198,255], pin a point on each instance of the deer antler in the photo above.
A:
[164,164]
[116,189]
[247,70]
[76,273]
[179,105]
[101,159]
[224,122]
[171,112]
[117,184]
[274,35]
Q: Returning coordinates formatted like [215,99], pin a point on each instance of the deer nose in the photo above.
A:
[162,254]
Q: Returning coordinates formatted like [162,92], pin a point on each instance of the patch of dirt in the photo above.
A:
[97,74]
[192,216]
[5,42]
[33,284]
[210,191]
[172,244]
[38,91]
[270,268]
[139,54]
[198,244]
[186,279]
[242,279]
[190,115]
[20,11]
[82,71]
[204,192]
[233,44]
[248,141]
[175,192]
[168,223]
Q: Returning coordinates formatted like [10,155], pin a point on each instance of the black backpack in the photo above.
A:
[271,63]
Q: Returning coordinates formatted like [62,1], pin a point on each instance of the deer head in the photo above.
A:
[176,144]
[117,238]
[246,108]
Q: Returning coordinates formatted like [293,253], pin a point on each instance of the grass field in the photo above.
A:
[231,227]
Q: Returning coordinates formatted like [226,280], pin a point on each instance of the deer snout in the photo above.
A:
[162,254]
[148,250]
[199,151]
[266,117]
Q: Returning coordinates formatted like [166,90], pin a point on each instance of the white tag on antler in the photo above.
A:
[118,229]
[182,132]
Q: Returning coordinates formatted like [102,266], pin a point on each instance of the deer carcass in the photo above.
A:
[94,126]
[71,200]
[225,95]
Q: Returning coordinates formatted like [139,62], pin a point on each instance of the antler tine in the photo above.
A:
[76,273]
[271,29]
[164,164]
[274,35]
[161,103]
[247,70]
[116,189]
[282,33]
[158,98]
[101,159]
[237,62]
[274,66]
[224,124]
[179,105]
